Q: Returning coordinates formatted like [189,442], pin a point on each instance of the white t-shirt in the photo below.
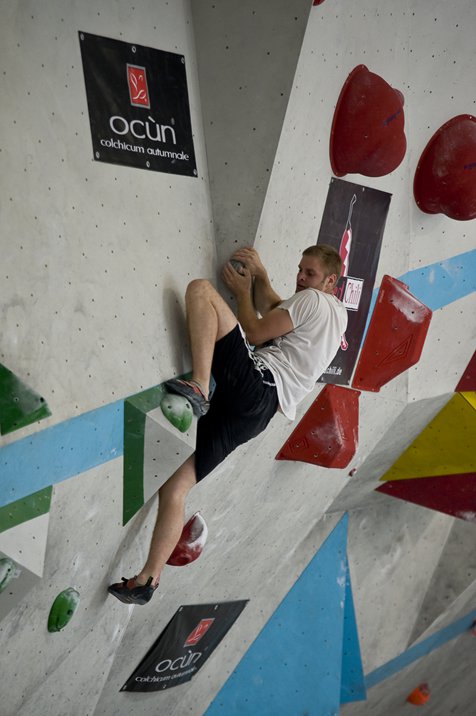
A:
[299,358]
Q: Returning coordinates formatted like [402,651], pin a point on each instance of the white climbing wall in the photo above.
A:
[94,262]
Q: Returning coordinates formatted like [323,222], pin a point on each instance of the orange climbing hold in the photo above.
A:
[395,337]
[420,695]
[328,433]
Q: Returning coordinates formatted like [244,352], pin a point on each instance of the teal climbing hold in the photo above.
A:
[19,404]
[178,411]
[63,609]
[8,571]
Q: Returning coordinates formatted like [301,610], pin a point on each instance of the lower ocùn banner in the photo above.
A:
[183,647]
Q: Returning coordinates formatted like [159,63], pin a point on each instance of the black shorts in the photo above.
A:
[243,402]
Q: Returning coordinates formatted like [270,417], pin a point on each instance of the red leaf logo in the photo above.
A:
[138,90]
[200,630]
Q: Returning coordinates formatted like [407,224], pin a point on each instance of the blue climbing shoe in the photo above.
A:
[129,592]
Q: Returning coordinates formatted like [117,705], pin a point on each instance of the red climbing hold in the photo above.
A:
[191,543]
[445,178]
[395,337]
[328,433]
[367,134]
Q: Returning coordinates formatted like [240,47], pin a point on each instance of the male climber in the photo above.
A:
[297,340]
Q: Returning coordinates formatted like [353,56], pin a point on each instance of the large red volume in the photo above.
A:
[467,381]
[445,178]
[328,433]
[452,494]
[395,337]
[367,134]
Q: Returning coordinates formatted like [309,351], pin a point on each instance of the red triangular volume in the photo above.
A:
[395,337]
[367,134]
[452,494]
[328,433]
[468,379]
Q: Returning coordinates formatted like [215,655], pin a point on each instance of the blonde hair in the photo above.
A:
[328,256]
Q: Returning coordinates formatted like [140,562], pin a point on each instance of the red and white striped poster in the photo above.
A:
[353,222]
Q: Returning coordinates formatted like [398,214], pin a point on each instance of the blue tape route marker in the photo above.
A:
[421,649]
[64,450]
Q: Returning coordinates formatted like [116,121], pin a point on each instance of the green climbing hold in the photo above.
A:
[177,410]
[63,609]
[20,405]
[8,571]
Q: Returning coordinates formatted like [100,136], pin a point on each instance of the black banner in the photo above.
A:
[184,646]
[353,222]
[138,105]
